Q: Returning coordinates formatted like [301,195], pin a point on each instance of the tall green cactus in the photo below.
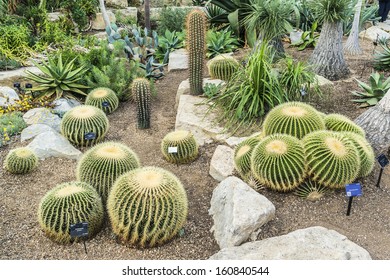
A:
[223,68]
[20,161]
[141,93]
[196,42]
[103,98]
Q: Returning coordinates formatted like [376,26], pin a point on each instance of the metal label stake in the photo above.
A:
[352,190]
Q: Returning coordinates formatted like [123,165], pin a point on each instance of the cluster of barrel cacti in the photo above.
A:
[298,144]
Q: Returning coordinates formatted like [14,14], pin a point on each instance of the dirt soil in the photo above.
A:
[21,237]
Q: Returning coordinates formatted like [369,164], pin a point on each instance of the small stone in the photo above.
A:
[34,130]
[98,22]
[42,116]
[8,96]
[296,36]
[234,141]
[116,3]
[222,163]
[63,105]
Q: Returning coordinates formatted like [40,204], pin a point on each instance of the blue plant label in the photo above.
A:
[79,230]
[172,150]
[90,136]
[353,189]
[106,104]
[383,160]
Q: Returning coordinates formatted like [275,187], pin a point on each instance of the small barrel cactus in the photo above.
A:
[332,158]
[243,153]
[365,152]
[103,98]
[84,125]
[196,23]
[223,68]
[311,190]
[21,161]
[179,147]
[337,122]
[141,93]
[70,203]
[147,207]
[278,162]
[293,118]
[101,165]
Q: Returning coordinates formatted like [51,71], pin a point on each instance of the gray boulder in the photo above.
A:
[63,105]
[8,96]
[238,212]
[222,163]
[178,60]
[42,116]
[34,130]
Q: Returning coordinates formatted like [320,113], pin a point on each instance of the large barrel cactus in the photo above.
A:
[84,125]
[147,207]
[67,204]
[141,93]
[103,98]
[332,158]
[196,43]
[179,147]
[293,118]
[337,122]
[223,68]
[243,153]
[101,165]
[278,162]
[20,161]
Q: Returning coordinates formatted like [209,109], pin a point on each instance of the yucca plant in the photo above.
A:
[59,79]
[219,42]
[373,92]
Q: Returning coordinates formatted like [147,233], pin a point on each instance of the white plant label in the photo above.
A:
[172,150]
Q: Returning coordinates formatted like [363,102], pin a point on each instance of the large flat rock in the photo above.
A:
[98,21]
[314,243]
[42,116]
[373,34]
[178,60]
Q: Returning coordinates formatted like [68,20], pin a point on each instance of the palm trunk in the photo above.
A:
[376,123]
[352,45]
[147,14]
[327,59]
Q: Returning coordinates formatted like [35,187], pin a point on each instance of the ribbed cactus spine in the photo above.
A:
[147,207]
[196,42]
[20,161]
[223,68]
[179,147]
[103,98]
[141,93]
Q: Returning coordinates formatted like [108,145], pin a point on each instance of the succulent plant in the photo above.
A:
[70,203]
[223,69]
[179,147]
[103,98]
[84,125]
[101,165]
[332,158]
[337,122]
[147,207]
[365,152]
[20,161]
[311,190]
[196,36]
[243,153]
[293,118]
[278,162]
[141,93]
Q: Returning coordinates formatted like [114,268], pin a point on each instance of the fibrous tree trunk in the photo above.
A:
[376,123]
[327,59]
[104,13]
[352,45]
[147,14]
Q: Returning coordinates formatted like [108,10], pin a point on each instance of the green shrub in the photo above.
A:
[171,19]
[187,149]
[10,125]
[20,161]
[219,42]
[14,42]
[8,64]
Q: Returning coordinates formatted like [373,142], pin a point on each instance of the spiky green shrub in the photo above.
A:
[311,190]
[20,161]
[278,162]
[70,203]
[101,165]
[147,207]
[365,152]
[141,93]
[332,158]
[84,125]
[185,143]
[196,34]
[293,118]
[337,122]
[243,153]
[223,69]
[103,98]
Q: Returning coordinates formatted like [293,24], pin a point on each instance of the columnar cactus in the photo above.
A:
[147,207]
[278,162]
[20,161]
[84,125]
[104,99]
[196,42]
[101,165]
[337,122]
[223,69]
[365,152]
[141,93]
[70,203]
[293,118]
[332,158]
[179,147]
[243,153]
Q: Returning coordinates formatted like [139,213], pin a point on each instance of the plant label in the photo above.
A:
[79,230]
[383,160]
[90,136]
[353,190]
[106,104]
[172,150]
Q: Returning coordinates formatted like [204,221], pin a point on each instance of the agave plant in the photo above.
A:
[59,79]
[382,59]
[308,38]
[220,42]
[373,92]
